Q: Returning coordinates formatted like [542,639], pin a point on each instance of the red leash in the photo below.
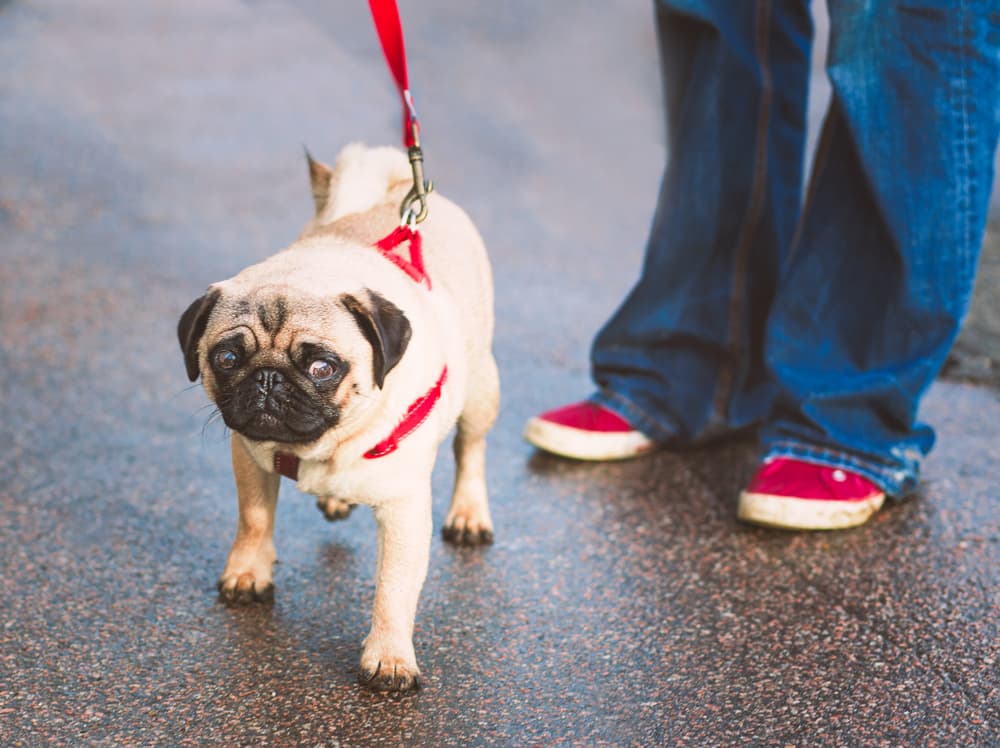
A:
[390,34]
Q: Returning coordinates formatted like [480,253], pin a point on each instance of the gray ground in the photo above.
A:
[147,149]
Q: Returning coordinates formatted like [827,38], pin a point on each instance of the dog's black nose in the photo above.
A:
[268,379]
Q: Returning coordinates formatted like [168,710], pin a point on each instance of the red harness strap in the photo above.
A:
[415,415]
[414,267]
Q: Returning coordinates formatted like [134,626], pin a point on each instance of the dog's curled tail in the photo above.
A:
[359,180]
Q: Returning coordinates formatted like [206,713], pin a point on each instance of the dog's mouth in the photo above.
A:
[264,426]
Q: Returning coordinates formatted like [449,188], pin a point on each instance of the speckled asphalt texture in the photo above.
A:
[147,149]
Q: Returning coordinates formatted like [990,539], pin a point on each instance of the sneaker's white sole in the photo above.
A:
[578,444]
[806,514]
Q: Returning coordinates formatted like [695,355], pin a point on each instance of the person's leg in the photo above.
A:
[882,267]
[681,359]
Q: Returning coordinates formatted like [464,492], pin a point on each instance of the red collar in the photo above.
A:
[287,464]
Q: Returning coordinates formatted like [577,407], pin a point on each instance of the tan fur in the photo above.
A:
[357,203]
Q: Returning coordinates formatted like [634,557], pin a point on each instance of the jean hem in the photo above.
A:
[637,417]
[897,482]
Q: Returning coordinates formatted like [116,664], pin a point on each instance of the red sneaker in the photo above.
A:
[800,495]
[586,431]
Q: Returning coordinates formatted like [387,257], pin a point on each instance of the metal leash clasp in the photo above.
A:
[411,214]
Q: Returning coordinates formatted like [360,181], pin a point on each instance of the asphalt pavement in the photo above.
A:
[148,149]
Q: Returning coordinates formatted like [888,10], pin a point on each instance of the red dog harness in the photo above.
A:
[390,32]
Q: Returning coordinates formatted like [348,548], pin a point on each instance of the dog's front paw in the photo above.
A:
[247,576]
[333,508]
[245,589]
[467,526]
[382,670]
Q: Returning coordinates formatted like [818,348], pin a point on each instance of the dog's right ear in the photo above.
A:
[192,326]
[320,176]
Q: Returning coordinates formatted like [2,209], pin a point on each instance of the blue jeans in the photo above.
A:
[822,323]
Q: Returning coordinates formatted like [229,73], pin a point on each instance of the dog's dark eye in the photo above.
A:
[226,359]
[321,369]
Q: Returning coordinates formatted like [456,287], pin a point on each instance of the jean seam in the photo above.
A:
[735,339]
[965,199]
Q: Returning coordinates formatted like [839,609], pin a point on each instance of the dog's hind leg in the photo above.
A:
[468,521]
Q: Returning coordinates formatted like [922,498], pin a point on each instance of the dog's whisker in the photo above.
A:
[214,417]
[183,390]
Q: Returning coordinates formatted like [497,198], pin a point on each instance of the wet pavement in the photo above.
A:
[149,149]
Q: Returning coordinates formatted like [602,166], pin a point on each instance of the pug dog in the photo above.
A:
[332,362]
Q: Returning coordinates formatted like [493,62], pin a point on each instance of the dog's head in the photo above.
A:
[286,366]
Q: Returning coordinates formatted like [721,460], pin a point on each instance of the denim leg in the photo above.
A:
[883,265]
[682,358]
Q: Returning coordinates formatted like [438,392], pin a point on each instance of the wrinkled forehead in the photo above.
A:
[280,317]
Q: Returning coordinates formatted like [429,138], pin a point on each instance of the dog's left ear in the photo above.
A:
[320,176]
[192,326]
[386,328]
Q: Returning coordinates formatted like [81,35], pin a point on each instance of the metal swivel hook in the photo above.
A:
[410,213]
